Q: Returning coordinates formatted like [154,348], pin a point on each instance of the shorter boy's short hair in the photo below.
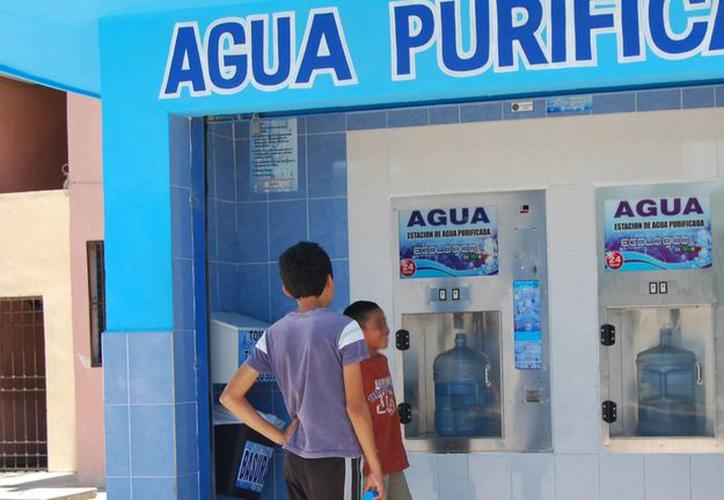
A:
[304,269]
[360,311]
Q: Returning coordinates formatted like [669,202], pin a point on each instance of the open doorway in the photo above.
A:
[23,425]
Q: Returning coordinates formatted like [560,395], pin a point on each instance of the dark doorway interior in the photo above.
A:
[23,425]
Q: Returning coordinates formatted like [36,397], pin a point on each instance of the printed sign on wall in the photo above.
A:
[274,156]
[448,242]
[652,234]
[526,319]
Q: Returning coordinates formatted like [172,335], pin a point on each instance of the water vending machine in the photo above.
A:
[471,305]
[660,284]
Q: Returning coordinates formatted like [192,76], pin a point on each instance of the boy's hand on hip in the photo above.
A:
[374,481]
[286,434]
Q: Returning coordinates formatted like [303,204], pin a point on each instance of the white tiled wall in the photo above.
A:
[569,157]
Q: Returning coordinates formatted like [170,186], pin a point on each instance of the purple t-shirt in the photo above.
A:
[306,353]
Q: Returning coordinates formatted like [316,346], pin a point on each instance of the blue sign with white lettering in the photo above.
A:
[653,234]
[443,243]
[253,466]
[455,39]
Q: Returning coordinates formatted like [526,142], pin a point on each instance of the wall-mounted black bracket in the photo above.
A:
[402,340]
[609,412]
[608,335]
[405,412]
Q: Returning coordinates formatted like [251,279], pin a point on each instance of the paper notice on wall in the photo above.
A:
[274,156]
[653,234]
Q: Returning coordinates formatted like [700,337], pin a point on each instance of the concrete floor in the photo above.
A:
[44,486]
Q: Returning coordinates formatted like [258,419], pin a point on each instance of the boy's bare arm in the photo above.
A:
[362,422]
[234,399]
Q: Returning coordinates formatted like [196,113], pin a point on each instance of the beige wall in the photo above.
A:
[569,158]
[33,145]
[35,261]
[86,224]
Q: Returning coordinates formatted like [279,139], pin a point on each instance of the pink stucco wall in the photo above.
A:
[86,224]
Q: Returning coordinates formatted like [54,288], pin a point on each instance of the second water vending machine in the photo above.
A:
[660,288]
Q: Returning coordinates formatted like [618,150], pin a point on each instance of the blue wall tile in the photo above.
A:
[268,492]
[220,128]
[280,408]
[698,97]
[658,100]
[254,290]
[261,401]
[156,488]
[115,368]
[341,285]
[287,226]
[323,123]
[327,165]
[117,424]
[181,221]
[623,102]
[183,294]
[228,288]
[241,129]
[481,112]
[118,488]
[301,191]
[253,233]
[180,157]
[328,225]
[227,232]
[412,117]
[243,174]
[281,487]
[539,110]
[213,229]
[149,367]
[188,487]
[184,359]
[280,303]
[224,169]
[152,440]
[363,120]
[210,142]
[720,96]
[213,275]
[187,460]
[440,115]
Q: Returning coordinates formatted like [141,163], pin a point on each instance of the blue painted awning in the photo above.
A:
[55,43]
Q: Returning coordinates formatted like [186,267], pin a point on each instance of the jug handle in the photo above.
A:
[488,382]
[699,374]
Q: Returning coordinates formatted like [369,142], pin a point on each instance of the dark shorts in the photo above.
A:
[322,478]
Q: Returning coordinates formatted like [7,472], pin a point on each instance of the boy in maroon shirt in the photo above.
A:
[380,395]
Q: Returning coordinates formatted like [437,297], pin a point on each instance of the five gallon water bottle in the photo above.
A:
[667,379]
[463,391]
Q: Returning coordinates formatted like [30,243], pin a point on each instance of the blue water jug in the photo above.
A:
[463,391]
[667,379]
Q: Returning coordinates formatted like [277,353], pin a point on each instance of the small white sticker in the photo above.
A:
[521,106]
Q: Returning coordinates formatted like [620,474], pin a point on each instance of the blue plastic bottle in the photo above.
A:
[667,378]
[463,391]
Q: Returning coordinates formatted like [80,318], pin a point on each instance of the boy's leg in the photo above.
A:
[293,473]
[397,487]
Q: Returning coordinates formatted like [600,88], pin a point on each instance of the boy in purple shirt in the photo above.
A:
[315,355]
